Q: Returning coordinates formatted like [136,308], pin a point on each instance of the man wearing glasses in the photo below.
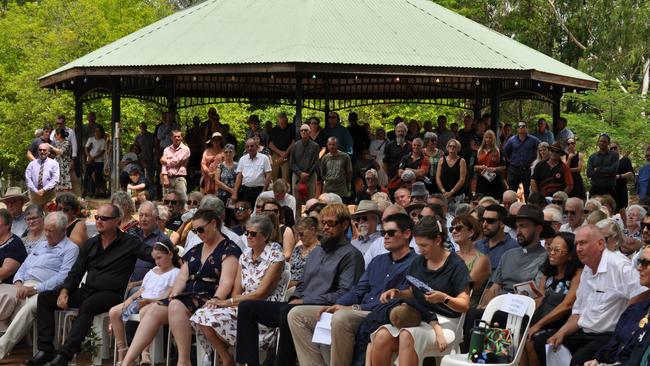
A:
[365,219]
[41,176]
[574,210]
[520,150]
[496,242]
[107,261]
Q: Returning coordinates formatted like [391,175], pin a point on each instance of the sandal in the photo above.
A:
[121,348]
[145,359]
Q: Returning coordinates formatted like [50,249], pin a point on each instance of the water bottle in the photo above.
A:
[477,339]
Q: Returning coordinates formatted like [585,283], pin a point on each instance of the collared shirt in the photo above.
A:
[303,158]
[363,244]
[50,174]
[142,267]
[108,269]
[377,248]
[253,271]
[48,265]
[495,253]
[19,225]
[519,265]
[547,136]
[382,274]
[603,296]
[253,170]
[177,158]
[629,338]
[287,201]
[72,139]
[566,228]
[329,274]
[521,153]
[607,164]
[342,136]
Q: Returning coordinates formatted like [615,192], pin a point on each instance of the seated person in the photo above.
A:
[560,281]
[447,274]
[258,278]
[69,204]
[307,232]
[12,250]
[157,285]
[630,342]
[243,212]
[607,284]
[465,229]
[44,269]
[208,272]
[140,186]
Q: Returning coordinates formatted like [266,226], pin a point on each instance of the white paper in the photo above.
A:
[515,305]
[562,357]
[323,330]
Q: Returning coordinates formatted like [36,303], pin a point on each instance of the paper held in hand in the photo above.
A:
[528,288]
[488,175]
[323,330]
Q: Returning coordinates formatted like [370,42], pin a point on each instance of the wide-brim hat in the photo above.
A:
[556,147]
[14,192]
[367,206]
[414,206]
[216,134]
[534,214]
[418,190]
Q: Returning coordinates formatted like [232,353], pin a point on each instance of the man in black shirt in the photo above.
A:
[280,140]
[107,260]
[176,203]
[359,136]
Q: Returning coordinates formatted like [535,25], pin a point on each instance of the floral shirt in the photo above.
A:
[252,272]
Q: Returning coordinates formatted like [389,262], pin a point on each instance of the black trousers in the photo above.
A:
[271,314]
[249,194]
[516,175]
[583,346]
[89,304]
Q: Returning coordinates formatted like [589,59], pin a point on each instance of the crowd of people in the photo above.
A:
[246,254]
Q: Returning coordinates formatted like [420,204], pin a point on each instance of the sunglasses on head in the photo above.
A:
[390,232]
[104,218]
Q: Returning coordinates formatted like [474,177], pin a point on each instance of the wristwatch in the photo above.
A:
[356,307]
[446,300]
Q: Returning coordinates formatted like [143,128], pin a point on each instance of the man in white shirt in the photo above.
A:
[574,209]
[253,174]
[366,219]
[607,284]
[279,191]
[377,246]
[72,138]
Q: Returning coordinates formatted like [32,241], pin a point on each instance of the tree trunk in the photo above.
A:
[646,78]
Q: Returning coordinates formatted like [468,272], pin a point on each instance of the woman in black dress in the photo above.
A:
[451,175]
[624,174]
[575,161]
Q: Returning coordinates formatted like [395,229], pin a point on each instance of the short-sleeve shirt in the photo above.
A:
[252,272]
[452,278]
[420,163]
[334,169]
[496,251]
[519,265]
[95,147]
[253,170]
[282,137]
[12,248]
[156,285]
[550,180]
[204,277]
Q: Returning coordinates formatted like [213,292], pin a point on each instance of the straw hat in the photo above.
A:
[14,192]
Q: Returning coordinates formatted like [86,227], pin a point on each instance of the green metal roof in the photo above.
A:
[416,33]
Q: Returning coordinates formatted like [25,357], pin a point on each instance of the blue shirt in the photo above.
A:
[496,252]
[643,181]
[628,337]
[142,267]
[48,265]
[342,135]
[521,153]
[547,136]
[382,274]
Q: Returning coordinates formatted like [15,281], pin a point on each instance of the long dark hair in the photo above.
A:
[166,246]
[574,263]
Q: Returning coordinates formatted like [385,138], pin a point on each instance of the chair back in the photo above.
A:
[515,322]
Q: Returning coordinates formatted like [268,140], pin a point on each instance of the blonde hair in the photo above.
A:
[404,316]
[489,148]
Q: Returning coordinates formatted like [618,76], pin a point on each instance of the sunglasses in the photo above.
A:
[170,202]
[489,220]
[457,228]
[240,209]
[645,225]
[557,202]
[104,218]
[42,150]
[330,223]
[192,203]
[200,229]
[360,218]
[556,250]
[252,234]
[521,126]
[642,263]
[390,232]
[571,212]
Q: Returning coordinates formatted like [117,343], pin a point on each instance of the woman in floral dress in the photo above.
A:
[62,148]
[259,278]
[212,157]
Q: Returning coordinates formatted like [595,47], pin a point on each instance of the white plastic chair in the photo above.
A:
[156,348]
[100,326]
[514,323]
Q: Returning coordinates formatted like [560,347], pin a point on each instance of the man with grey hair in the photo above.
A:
[253,174]
[574,209]
[303,162]
[44,269]
[395,150]
[336,170]
[214,203]
[279,191]
[553,214]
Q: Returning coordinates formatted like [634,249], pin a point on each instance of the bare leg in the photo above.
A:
[407,355]
[179,323]
[152,317]
[115,315]
[384,345]
[369,354]
[530,356]
[218,343]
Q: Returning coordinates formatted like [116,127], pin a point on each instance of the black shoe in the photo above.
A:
[40,359]
[58,360]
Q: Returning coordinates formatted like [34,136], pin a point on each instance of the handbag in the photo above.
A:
[490,344]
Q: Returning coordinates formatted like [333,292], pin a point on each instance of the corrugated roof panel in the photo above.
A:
[372,32]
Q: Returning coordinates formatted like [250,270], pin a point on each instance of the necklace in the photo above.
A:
[644,321]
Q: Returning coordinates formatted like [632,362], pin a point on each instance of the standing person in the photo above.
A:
[466,136]
[333,128]
[520,150]
[433,154]
[42,176]
[563,132]
[444,134]
[174,164]
[71,137]
[376,149]
[14,200]
[32,151]
[487,178]
[543,133]
[393,153]
[253,174]
[280,140]
[253,127]
[61,148]
[415,161]
[303,160]
[360,138]
[95,151]
[213,155]
[336,168]
[315,130]
[624,174]
[574,159]
[602,166]
[451,174]
[194,136]
[226,175]
[211,125]
[146,140]
[608,280]
[552,175]
[106,280]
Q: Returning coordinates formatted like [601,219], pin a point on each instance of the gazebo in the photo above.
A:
[319,55]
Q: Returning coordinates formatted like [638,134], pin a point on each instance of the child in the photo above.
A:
[140,186]
[156,285]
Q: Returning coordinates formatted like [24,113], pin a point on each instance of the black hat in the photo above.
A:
[534,214]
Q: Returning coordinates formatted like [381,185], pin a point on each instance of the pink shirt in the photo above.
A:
[176,160]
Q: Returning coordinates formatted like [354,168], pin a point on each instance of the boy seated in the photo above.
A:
[140,186]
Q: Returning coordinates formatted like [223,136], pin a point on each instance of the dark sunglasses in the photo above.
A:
[390,233]
[489,220]
[330,223]
[104,218]
[42,150]
[557,202]
[240,209]
[200,229]
[170,202]
[457,228]
[642,263]
[360,218]
[252,234]
[521,126]
[192,203]
[571,212]
[645,225]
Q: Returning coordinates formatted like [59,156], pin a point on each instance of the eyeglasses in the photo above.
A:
[275,211]
[556,250]
[521,126]
[228,152]
[557,202]
[645,225]
[489,220]
[360,218]
[32,218]
[240,209]
[170,202]
[200,229]
[330,223]
[390,232]
[192,203]
[64,209]
[457,228]
[642,263]
[252,234]
[104,218]
[570,143]
[571,212]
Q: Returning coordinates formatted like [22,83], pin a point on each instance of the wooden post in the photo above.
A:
[495,107]
[299,100]
[78,127]
[115,129]
[477,100]
[557,104]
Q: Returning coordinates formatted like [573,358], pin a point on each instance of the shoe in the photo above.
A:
[145,359]
[40,359]
[58,360]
